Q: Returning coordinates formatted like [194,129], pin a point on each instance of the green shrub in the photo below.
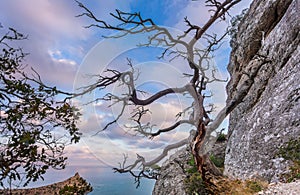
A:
[254,186]
[221,137]
[70,190]
[295,172]
[194,183]
[291,151]
[218,162]
[193,168]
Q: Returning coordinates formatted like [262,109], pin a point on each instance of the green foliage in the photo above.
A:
[295,172]
[221,137]
[291,151]
[69,190]
[79,189]
[254,186]
[218,162]
[155,167]
[194,183]
[35,125]
[193,167]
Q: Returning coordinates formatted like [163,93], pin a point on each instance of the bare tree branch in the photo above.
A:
[197,59]
[144,166]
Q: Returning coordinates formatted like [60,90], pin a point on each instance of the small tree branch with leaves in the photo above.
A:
[35,126]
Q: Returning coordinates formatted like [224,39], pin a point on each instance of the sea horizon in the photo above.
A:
[103,180]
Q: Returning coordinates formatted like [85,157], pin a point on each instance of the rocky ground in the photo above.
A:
[292,188]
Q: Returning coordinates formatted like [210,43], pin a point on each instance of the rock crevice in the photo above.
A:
[269,115]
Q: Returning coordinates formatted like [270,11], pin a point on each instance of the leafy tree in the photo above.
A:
[203,73]
[35,125]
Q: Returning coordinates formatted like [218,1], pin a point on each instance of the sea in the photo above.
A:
[103,180]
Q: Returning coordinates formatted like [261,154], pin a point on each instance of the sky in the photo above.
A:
[63,52]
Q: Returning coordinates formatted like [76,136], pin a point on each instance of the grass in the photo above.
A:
[222,185]
[194,184]
[218,162]
[291,151]
[238,187]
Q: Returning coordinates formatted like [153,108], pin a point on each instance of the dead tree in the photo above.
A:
[196,59]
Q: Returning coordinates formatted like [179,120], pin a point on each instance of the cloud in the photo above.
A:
[43,18]
[91,123]
[110,145]
[52,28]
[57,43]
[198,14]
[3,114]
[80,155]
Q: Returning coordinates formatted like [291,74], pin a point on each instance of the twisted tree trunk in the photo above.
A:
[204,165]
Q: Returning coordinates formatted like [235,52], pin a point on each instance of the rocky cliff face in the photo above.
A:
[269,116]
[173,174]
[175,170]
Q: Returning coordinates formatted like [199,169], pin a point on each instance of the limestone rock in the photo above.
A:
[292,188]
[269,116]
[173,173]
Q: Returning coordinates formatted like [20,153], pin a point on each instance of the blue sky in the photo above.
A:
[60,47]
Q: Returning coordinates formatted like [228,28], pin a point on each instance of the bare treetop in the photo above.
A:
[196,59]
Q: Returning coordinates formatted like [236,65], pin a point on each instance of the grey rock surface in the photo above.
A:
[292,188]
[174,170]
[269,116]
[173,173]
[218,149]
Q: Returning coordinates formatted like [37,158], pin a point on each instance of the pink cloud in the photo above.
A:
[45,18]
